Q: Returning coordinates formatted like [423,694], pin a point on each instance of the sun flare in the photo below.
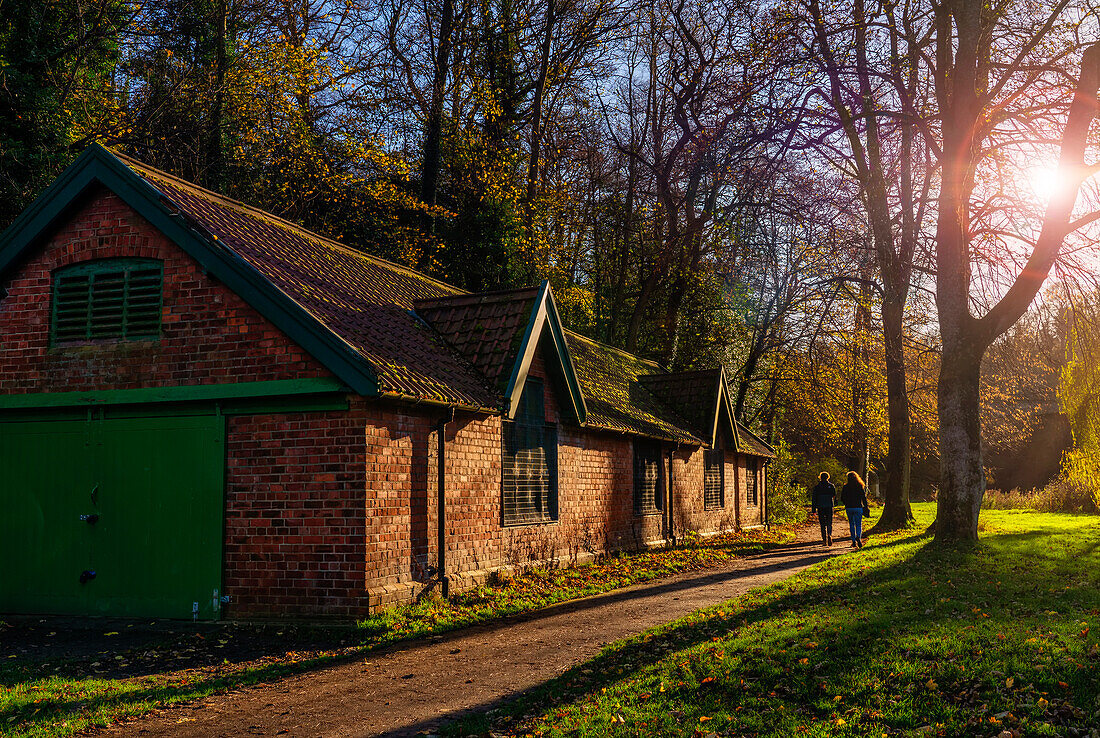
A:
[1044,181]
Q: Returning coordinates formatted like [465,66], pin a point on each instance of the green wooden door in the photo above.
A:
[156,485]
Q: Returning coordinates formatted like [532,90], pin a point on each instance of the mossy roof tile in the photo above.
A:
[486,328]
[365,300]
[425,339]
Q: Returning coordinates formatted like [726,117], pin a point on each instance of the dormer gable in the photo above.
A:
[500,333]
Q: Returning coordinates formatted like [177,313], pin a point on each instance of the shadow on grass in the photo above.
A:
[877,629]
[46,709]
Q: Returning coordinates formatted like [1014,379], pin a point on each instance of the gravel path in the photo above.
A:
[414,687]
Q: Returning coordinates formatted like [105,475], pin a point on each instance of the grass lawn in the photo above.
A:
[898,639]
[55,682]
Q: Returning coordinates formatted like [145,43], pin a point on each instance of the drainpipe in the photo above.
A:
[671,527]
[441,507]
[767,495]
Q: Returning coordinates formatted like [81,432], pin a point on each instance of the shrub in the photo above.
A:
[1061,495]
[789,500]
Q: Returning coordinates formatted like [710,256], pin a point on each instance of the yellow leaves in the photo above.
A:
[1009,682]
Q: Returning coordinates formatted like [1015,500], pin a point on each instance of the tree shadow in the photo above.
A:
[47,708]
[877,629]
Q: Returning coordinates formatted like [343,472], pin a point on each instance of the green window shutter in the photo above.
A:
[107,300]
[751,481]
[647,477]
[529,477]
[713,479]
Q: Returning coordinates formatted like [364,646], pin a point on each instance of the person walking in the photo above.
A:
[854,496]
[823,500]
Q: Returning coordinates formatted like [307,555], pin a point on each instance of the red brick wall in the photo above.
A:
[332,513]
[295,483]
[295,514]
[595,503]
[210,335]
[750,514]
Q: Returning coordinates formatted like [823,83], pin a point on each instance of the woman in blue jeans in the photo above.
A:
[854,496]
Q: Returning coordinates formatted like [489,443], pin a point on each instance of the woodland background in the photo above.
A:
[678,170]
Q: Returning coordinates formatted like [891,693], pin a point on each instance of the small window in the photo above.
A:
[647,478]
[530,460]
[714,479]
[752,478]
[107,300]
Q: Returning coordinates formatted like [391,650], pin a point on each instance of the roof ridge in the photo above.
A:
[276,220]
[674,375]
[616,349]
[476,295]
[697,371]
[742,427]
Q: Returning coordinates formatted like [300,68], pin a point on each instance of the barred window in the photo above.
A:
[530,461]
[647,477]
[751,481]
[714,487]
[107,299]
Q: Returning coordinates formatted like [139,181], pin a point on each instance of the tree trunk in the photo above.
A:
[896,512]
[429,176]
[962,482]
[536,122]
[215,137]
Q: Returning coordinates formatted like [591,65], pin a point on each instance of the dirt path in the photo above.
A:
[414,687]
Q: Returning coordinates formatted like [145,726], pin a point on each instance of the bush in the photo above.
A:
[1061,495]
[789,501]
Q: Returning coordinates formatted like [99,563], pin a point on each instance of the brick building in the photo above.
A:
[206,411]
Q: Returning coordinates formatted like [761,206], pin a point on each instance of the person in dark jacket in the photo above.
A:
[823,500]
[854,496]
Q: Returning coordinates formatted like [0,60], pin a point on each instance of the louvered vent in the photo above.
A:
[112,299]
[647,478]
[713,479]
[530,461]
[751,481]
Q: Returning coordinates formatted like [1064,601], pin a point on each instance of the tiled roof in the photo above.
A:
[365,300]
[694,395]
[616,400]
[486,328]
[427,340]
[750,443]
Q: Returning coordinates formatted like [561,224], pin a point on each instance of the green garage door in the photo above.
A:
[112,517]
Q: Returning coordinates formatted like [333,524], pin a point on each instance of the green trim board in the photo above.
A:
[544,314]
[98,165]
[186,393]
[724,403]
[330,402]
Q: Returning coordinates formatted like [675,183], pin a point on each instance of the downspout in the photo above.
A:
[767,495]
[671,532]
[441,505]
